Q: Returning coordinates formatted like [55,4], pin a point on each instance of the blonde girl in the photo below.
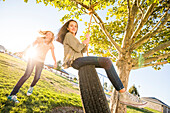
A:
[42,45]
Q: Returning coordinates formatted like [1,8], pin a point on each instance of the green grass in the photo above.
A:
[50,92]
[137,110]
[154,111]
[107,93]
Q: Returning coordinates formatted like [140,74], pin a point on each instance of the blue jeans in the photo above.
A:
[100,62]
[30,66]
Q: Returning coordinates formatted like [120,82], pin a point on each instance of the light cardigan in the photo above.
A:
[41,49]
[73,49]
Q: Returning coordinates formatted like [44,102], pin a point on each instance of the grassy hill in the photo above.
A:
[50,92]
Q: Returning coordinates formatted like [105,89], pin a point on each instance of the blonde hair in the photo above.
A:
[44,33]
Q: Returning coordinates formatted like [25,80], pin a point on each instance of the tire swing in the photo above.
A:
[92,94]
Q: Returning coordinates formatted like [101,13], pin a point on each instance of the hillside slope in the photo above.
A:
[50,92]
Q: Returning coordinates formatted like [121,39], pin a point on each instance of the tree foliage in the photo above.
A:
[105,85]
[111,88]
[133,90]
[59,65]
[140,24]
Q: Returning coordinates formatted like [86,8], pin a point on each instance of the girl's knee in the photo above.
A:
[106,62]
[75,65]
[106,59]
[26,76]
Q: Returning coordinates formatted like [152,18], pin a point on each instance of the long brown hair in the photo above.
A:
[63,31]
[44,33]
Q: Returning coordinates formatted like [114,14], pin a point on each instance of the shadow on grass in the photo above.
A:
[6,64]
[139,109]
[7,106]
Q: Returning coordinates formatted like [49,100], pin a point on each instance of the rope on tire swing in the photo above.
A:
[89,31]
[91,9]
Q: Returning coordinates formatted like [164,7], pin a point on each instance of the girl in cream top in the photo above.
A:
[42,46]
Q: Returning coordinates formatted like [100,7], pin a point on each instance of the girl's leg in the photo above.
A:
[29,69]
[101,62]
[106,63]
[125,97]
[39,67]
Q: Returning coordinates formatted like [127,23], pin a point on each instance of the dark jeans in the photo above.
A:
[30,66]
[100,62]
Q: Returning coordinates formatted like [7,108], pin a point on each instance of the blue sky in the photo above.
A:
[19,26]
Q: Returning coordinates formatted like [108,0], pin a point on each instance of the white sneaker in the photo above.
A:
[30,90]
[13,98]
[129,99]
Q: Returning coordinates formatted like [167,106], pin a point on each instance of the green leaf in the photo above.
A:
[24,1]
[108,13]
[107,18]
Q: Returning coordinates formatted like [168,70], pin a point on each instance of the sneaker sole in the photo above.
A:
[13,100]
[126,103]
[28,94]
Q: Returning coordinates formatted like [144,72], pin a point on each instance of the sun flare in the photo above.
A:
[31,53]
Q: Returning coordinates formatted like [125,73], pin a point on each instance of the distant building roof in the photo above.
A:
[62,70]
[155,100]
[102,75]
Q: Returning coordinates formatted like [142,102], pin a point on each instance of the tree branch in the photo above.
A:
[156,58]
[112,54]
[151,52]
[159,47]
[142,2]
[137,20]
[160,20]
[143,21]
[80,3]
[130,28]
[151,64]
[150,34]
[101,24]
[140,15]
[128,5]
[140,8]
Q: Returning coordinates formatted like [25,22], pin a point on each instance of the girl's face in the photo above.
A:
[72,27]
[49,35]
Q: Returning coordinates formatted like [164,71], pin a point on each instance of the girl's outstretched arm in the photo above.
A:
[53,55]
[26,49]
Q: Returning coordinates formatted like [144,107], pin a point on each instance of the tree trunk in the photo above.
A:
[124,65]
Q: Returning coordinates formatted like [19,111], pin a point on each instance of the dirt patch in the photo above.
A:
[67,110]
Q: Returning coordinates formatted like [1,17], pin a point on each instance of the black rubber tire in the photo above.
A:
[92,94]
